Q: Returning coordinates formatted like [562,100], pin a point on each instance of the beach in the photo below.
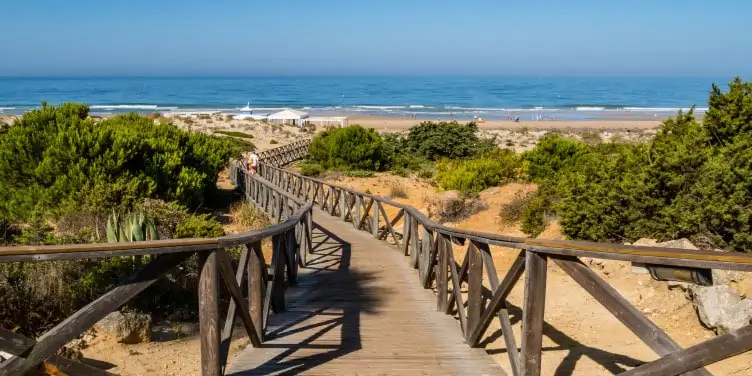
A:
[390,124]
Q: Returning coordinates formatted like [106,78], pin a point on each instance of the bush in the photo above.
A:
[55,160]
[250,216]
[551,154]
[453,206]
[311,169]
[350,148]
[475,175]
[397,190]
[198,226]
[692,180]
[512,211]
[273,142]
[446,140]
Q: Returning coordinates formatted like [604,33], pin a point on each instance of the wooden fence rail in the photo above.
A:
[291,242]
[430,249]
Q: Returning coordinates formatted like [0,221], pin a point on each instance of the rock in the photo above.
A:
[128,328]
[639,268]
[682,243]
[711,303]
[644,242]
[735,317]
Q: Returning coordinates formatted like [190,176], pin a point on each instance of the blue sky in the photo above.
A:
[370,37]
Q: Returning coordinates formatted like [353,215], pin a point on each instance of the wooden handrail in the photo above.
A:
[430,250]
[291,242]
[722,260]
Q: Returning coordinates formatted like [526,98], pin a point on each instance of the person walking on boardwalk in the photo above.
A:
[253,162]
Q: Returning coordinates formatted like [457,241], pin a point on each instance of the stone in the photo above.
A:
[735,317]
[711,303]
[639,268]
[682,243]
[128,328]
[644,242]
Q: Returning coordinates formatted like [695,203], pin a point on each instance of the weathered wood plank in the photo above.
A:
[700,355]
[233,285]
[631,317]
[475,289]
[257,280]
[442,273]
[230,317]
[208,312]
[532,313]
[86,317]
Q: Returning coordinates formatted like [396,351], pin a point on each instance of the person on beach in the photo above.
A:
[253,162]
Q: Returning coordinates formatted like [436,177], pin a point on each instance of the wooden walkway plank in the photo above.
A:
[359,309]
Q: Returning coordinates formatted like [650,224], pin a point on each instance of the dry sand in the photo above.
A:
[397,124]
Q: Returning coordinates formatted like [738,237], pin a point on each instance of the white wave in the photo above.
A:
[130,107]
[662,109]
[586,108]
[380,107]
[416,106]
[6,108]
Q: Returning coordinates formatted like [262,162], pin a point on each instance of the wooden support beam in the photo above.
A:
[532,313]
[233,285]
[208,312]
[631,317]
[474,290]
[257,280]
[457,291]
[700,355]
[442,273]
[86,317]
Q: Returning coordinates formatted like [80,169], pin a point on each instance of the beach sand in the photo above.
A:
[397,124]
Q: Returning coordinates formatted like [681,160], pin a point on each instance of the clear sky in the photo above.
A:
[376,37]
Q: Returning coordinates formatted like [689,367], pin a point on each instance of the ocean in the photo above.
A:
[564,98]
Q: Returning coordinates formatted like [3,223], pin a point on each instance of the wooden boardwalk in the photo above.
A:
[359,310]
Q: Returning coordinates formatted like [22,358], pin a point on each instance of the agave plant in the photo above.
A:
[134,227]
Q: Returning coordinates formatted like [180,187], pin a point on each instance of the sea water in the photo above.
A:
[557,98]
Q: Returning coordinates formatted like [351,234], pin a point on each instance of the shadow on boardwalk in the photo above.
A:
[323,318]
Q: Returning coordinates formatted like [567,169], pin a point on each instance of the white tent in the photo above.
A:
[288,116]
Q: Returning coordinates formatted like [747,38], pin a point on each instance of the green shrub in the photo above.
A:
[401,171]
[535,214]
[551,154]
[452,140]
[692,180]
[350,148]
[55,160]
[311,169]
[198,226]
[273,142]
[475,175]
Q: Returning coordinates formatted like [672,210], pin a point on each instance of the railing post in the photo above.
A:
[208,311]
[343,204]
[532,313]
[358,204]
[256,287]
[474,288]
[375,218]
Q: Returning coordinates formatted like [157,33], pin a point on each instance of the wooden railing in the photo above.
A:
[291,242]
[430,248]
[285,154]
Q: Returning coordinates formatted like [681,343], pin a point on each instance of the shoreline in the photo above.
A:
[383,123]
